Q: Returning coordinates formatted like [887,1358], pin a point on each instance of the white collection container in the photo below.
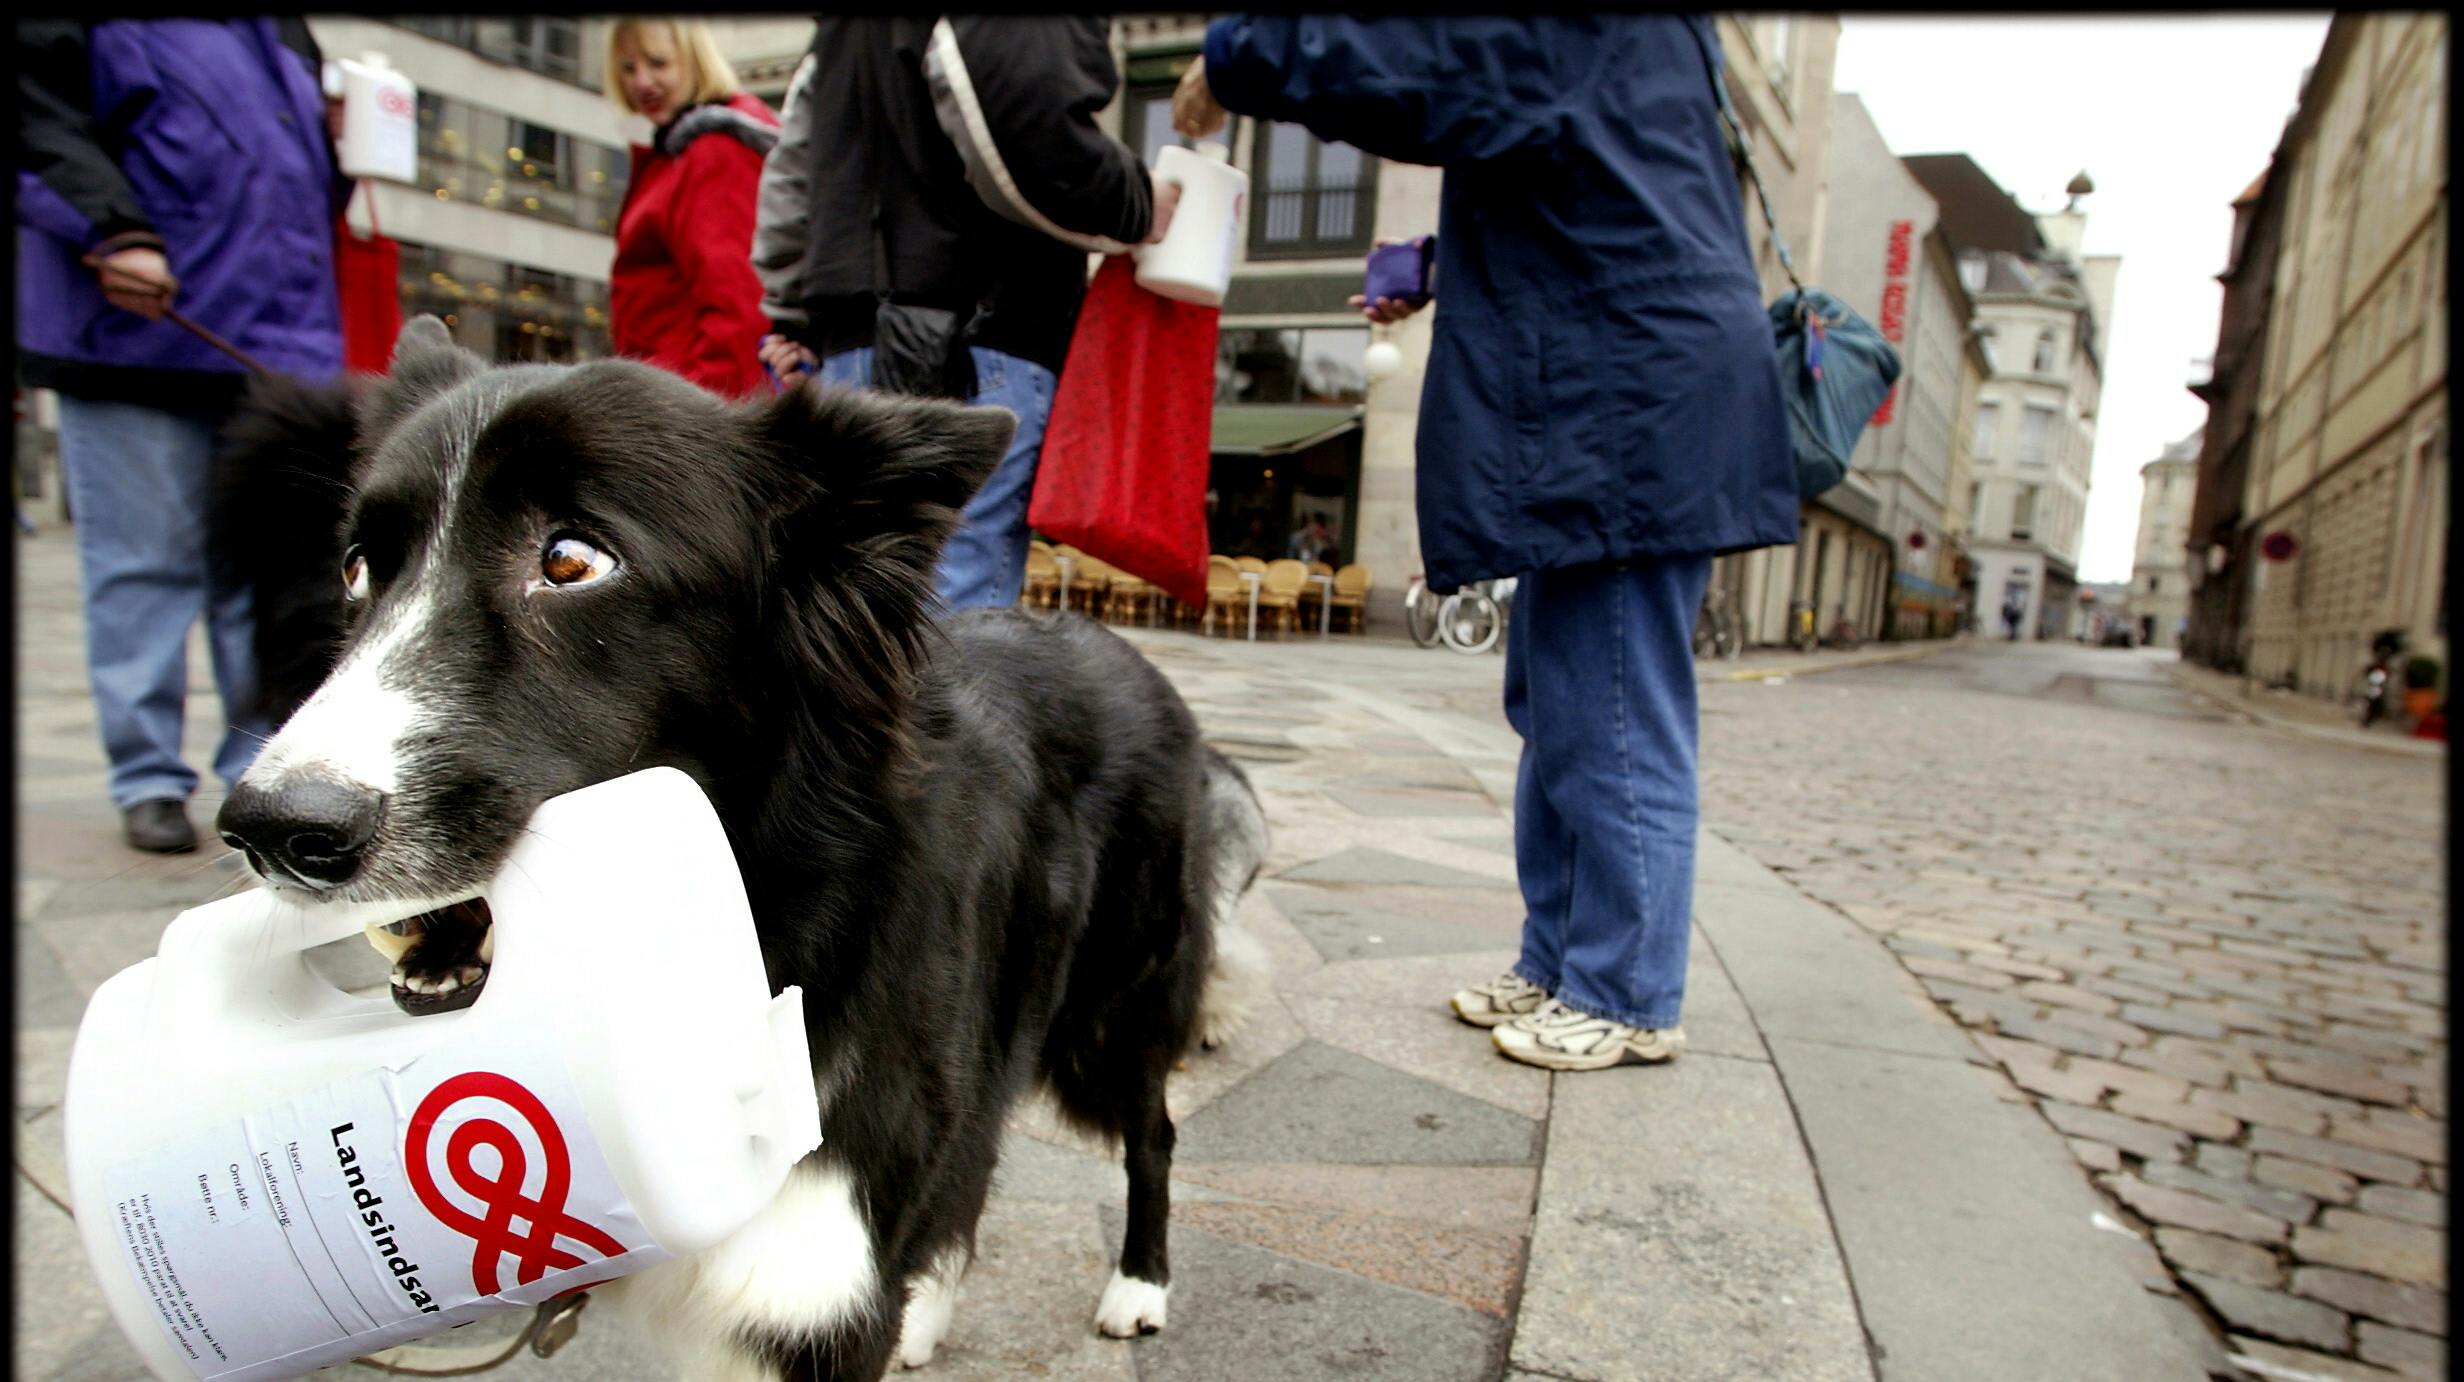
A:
[270,1175]
[380,118]
[1193,262]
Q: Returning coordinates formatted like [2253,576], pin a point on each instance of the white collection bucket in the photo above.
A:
[270,1175]
[1193,262]
[380,118]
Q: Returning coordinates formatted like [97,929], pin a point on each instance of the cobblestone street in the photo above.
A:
[2213,954]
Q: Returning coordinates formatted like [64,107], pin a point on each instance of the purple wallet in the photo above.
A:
[1401,271]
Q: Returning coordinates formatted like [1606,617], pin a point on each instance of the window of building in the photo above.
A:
[1772,34]
[1976,507]
[1317,197]
[1317,364]
[2023,512]
[1972,273]
[1149,79]
[469,153]
[1988,421]
[506,312]
[2035,430]
[2046,344]
[548,45]
[1984,342]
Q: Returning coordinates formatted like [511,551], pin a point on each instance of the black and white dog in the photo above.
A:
[991,848]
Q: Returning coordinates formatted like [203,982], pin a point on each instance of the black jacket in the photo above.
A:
[965,132]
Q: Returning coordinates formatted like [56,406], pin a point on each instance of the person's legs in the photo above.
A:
[984,563]
[231,640]
[1543,847]
[136,480]
[1612,745]
[1543,867]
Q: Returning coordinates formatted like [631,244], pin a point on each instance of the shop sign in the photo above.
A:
[1894,302]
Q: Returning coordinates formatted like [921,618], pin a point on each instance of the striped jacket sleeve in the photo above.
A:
[1018,97]
[782,208]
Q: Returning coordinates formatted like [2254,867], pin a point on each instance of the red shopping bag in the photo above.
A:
[1124,466]
[368,272]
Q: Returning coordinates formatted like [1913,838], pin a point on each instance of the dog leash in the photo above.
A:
[198,329]
[206,335]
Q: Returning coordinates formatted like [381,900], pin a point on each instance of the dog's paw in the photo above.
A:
[931,1301]
[1131,1307]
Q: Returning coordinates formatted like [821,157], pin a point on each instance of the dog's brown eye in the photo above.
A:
[570,561]
[355,574]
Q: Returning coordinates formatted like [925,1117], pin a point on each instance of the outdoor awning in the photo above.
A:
[1268,429]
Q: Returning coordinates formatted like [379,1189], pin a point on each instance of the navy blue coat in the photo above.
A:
[1601,382]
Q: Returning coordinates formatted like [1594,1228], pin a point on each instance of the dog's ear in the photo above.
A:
[426,363]
[864,489]
[879,476]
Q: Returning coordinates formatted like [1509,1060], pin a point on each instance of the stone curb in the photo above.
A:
[1874,659]
[2351,738]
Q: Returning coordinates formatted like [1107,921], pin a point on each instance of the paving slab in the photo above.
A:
[1341,933]
[1394,1012]
[1806,970]
[1968,1228]
[1241,1313]
[1681,1234]
[1318,1103]
[1382,866]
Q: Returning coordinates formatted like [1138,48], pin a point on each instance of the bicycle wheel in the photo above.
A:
[1420,609]
[1470,621]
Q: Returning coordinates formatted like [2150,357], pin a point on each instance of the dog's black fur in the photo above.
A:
[981,844]
[282,487]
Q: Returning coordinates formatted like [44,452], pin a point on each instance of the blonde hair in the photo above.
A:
[706,71]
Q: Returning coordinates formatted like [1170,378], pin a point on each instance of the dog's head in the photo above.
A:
[557,575]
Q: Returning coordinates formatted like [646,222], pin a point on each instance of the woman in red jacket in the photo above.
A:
[682,295]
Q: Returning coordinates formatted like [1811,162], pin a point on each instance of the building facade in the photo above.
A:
[2041,310]
[1778,73]
[2221,552]
[2346,491]
[1884,254]
[2159,603]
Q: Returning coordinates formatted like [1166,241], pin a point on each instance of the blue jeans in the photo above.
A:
[984,563]
[138,481]
[1600,684]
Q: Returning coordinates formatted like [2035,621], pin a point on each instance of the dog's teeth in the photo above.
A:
[487,946]
[390,944]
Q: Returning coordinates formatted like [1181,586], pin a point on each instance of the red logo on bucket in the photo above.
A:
[394,103]
[499,1193]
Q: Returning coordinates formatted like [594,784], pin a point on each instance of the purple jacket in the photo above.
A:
[207,138]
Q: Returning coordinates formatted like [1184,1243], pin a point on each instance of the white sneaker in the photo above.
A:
[1502,999]
[1556,1037]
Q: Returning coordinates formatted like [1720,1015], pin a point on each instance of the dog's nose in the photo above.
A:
[312,827]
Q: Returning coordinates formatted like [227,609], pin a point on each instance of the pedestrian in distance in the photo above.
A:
[682,294]
[925,224]
[168,166]
[1600,417]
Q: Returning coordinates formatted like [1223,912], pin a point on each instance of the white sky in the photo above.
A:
[2171,117]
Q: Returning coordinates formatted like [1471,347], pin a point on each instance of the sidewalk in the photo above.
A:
[1832,1184]
[2298,714]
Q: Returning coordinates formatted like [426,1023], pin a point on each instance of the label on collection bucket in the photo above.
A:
[373,1211]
